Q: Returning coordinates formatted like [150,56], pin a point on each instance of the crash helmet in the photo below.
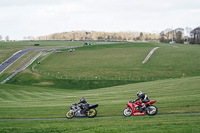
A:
[82,99]
[139,93]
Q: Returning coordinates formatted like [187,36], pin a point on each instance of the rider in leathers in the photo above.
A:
[84,105]
[144,98]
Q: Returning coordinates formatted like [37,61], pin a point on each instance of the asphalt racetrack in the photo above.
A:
[91,118]
[14,58]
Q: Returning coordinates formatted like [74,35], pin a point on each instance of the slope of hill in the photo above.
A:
[107,65]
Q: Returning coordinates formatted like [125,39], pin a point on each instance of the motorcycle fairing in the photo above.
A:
[151,102]
[92,106]
[133,106]
[78,114]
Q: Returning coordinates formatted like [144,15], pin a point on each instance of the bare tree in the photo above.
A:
[195,36]
[7,38]
[178,35]
[188,30]
[162,36]
[1,37]
[141,37]
[165,35]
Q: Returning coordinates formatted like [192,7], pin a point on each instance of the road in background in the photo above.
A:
[14,58]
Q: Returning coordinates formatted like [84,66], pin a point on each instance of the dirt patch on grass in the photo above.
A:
[36,75]
[44,83]
[45,53]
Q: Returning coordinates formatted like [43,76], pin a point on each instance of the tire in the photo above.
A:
[151,110]
[91,113]
[69,114]
[127,112]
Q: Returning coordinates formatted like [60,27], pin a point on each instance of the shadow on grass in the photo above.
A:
[73,84]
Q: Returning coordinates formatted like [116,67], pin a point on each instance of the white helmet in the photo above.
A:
[139,93]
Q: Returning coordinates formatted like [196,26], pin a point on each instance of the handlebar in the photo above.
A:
[131,101]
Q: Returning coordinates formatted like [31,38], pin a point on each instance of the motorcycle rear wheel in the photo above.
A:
[151,110]
[127,112]
[69,115]
[91,113]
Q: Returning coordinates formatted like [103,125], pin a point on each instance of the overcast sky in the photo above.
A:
[20,18]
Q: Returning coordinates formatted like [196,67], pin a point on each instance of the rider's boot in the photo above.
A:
[143,106]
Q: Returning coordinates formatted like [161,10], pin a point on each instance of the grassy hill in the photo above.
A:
[109,65]
[124,61]
[172,95]
[109,75]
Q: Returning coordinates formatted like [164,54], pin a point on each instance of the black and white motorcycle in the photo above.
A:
[81,110]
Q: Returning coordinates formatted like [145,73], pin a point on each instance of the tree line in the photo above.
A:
[102,36]
[180,35]
[195,36]
[6,38]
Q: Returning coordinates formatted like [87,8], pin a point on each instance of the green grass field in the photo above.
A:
[109,65]
[173,96]
[120,74]
[124,62]
[163,124]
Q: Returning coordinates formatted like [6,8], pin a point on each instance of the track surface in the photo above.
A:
[15,57]
[88,118]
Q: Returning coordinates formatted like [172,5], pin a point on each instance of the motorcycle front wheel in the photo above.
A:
[151,110]
[91,113]
[69,114]
[127,112]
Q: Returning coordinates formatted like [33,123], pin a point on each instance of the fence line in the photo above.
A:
[96,78]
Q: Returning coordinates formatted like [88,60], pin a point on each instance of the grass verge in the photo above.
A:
[164,124]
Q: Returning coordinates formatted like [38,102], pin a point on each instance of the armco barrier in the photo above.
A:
[149,55]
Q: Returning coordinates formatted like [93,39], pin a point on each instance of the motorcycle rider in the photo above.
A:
[144,98]
[84,104]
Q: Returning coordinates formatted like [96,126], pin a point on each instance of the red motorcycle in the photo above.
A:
[135,108]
